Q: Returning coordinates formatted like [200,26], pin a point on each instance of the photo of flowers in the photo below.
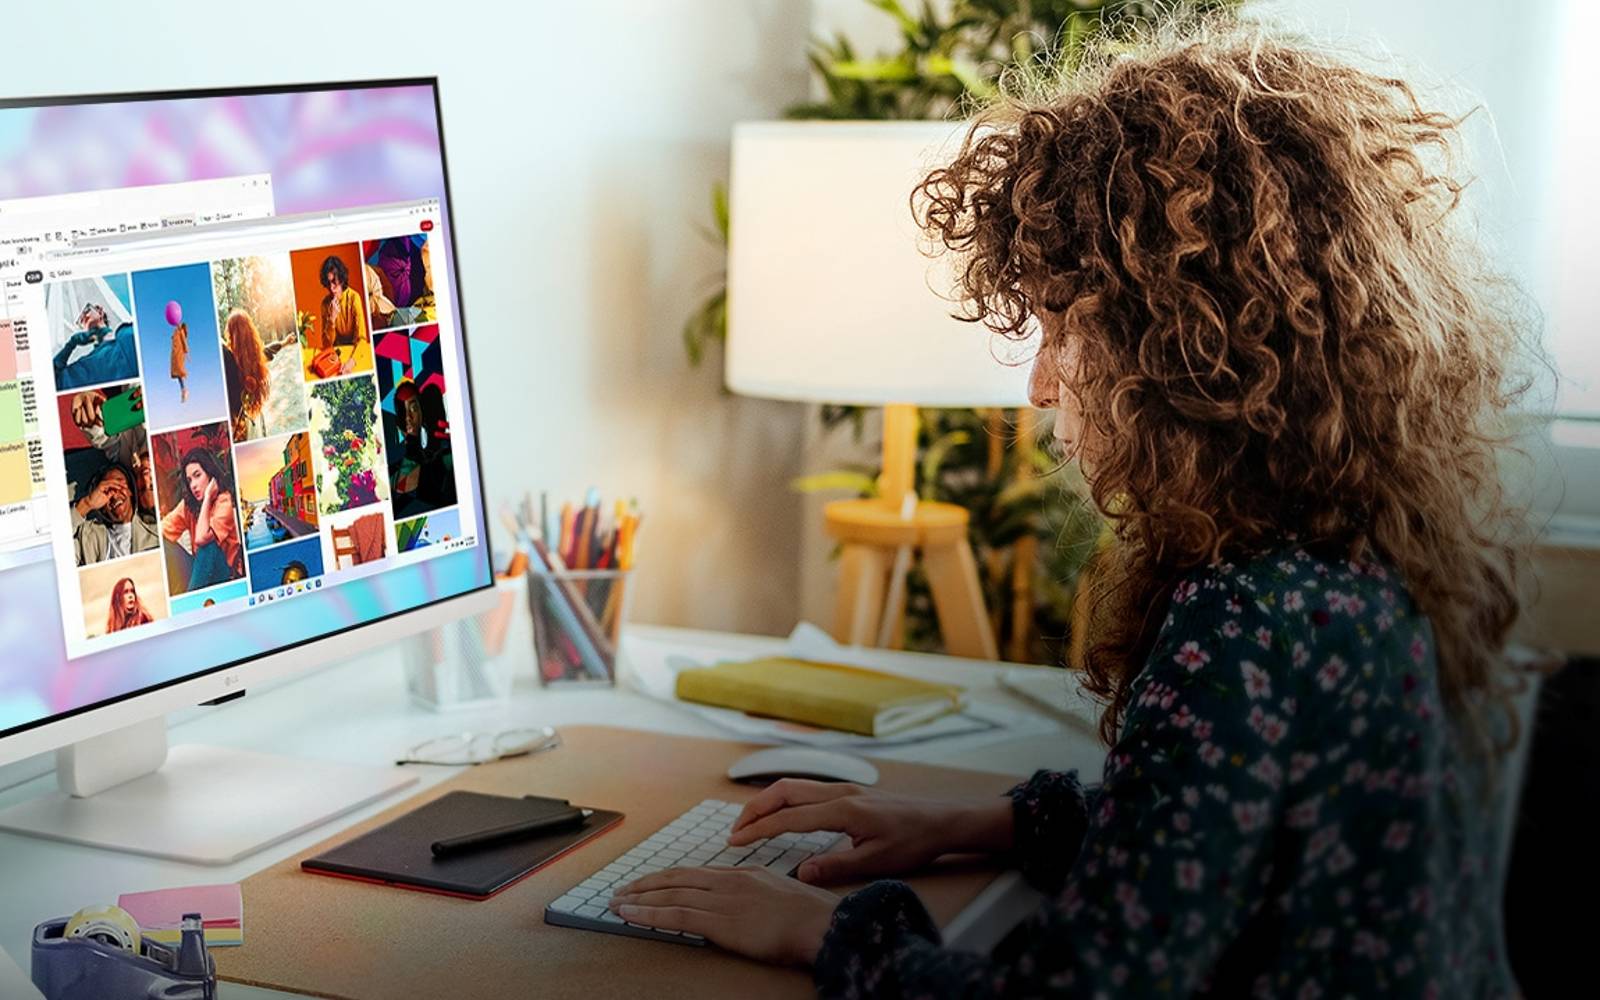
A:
[346,451]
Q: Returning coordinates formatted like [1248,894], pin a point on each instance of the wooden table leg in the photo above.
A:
[863,573]
[958,597]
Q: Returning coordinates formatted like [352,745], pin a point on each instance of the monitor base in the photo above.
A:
[207,805]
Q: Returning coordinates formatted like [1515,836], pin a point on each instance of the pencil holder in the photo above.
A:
[467,663]
[577,620]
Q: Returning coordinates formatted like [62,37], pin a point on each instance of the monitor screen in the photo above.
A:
[234,408]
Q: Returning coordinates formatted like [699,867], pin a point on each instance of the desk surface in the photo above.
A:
[359,712]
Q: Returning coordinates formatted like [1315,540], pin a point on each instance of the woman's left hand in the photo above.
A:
[751,911]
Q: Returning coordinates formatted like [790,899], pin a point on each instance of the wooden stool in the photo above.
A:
[870,532]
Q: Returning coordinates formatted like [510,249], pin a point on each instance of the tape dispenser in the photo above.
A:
[98,953]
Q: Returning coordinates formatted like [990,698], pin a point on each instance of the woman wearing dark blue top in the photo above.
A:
[1279,361]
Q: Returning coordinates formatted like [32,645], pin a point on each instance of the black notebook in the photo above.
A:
[400,852]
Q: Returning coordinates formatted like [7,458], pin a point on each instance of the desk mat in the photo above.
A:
[346,940]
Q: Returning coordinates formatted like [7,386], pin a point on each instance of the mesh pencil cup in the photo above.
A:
[577,621]
[467,663]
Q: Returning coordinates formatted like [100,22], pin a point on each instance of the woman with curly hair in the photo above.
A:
[1280,362]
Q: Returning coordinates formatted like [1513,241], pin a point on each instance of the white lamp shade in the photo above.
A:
[831,295]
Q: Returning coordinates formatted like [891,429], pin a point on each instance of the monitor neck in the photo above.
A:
[91,766]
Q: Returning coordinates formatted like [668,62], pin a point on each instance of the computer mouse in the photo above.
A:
[802,762]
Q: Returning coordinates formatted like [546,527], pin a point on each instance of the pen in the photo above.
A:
[582,539]
[508,834]
[563,542]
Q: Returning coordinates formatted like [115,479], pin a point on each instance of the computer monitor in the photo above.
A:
[236,435]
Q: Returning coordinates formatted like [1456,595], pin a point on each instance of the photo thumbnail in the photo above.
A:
[285,565]
[277,490]
[334,337]
[186,603]
[106,452]
[345,450]
[399,278]
[416,425]
[261,358]
[122,595]
[175,319]
[91,331]
[356,538]
[199,519]
[430,529]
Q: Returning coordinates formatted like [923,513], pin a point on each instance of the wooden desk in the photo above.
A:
[358,712]
[354,941]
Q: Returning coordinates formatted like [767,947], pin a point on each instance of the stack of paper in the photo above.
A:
[653,667]
[160,913]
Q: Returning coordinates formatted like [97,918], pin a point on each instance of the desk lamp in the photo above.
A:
[832,299]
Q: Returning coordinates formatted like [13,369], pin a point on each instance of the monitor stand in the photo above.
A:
[125,791]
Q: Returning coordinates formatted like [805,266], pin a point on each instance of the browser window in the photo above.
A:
[30,229]
[245,414]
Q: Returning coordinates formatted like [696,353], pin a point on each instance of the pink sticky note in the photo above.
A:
[8,351]
[218,906]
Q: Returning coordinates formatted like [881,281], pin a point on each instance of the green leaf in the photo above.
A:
[859,483]
[879,70]
[692,341]
[709,322]
[719,208]
[934,457]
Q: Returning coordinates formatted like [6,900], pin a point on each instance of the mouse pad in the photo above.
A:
[400,853]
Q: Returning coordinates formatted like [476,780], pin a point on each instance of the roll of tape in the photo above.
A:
[110,925]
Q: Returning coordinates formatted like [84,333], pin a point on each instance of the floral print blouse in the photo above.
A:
[1285,814]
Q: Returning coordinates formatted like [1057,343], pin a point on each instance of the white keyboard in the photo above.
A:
[698,837]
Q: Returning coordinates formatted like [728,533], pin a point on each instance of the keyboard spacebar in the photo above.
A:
[786,862]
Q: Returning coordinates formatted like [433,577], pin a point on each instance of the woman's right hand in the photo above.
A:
[890,834]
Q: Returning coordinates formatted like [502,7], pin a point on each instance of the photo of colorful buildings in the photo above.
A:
[293,490]
[279,490]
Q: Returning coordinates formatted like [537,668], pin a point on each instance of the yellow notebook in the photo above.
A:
[829,695]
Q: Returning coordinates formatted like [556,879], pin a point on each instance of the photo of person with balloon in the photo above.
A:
[180,349]
[175,318]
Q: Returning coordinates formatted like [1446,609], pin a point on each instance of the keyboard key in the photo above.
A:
[787,862]
[591,910]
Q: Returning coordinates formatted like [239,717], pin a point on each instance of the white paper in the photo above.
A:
[656,676]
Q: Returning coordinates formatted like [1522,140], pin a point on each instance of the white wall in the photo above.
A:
[583,139]
[1533,198]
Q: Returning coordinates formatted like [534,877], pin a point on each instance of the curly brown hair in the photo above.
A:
[244,340]
[1281,329]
